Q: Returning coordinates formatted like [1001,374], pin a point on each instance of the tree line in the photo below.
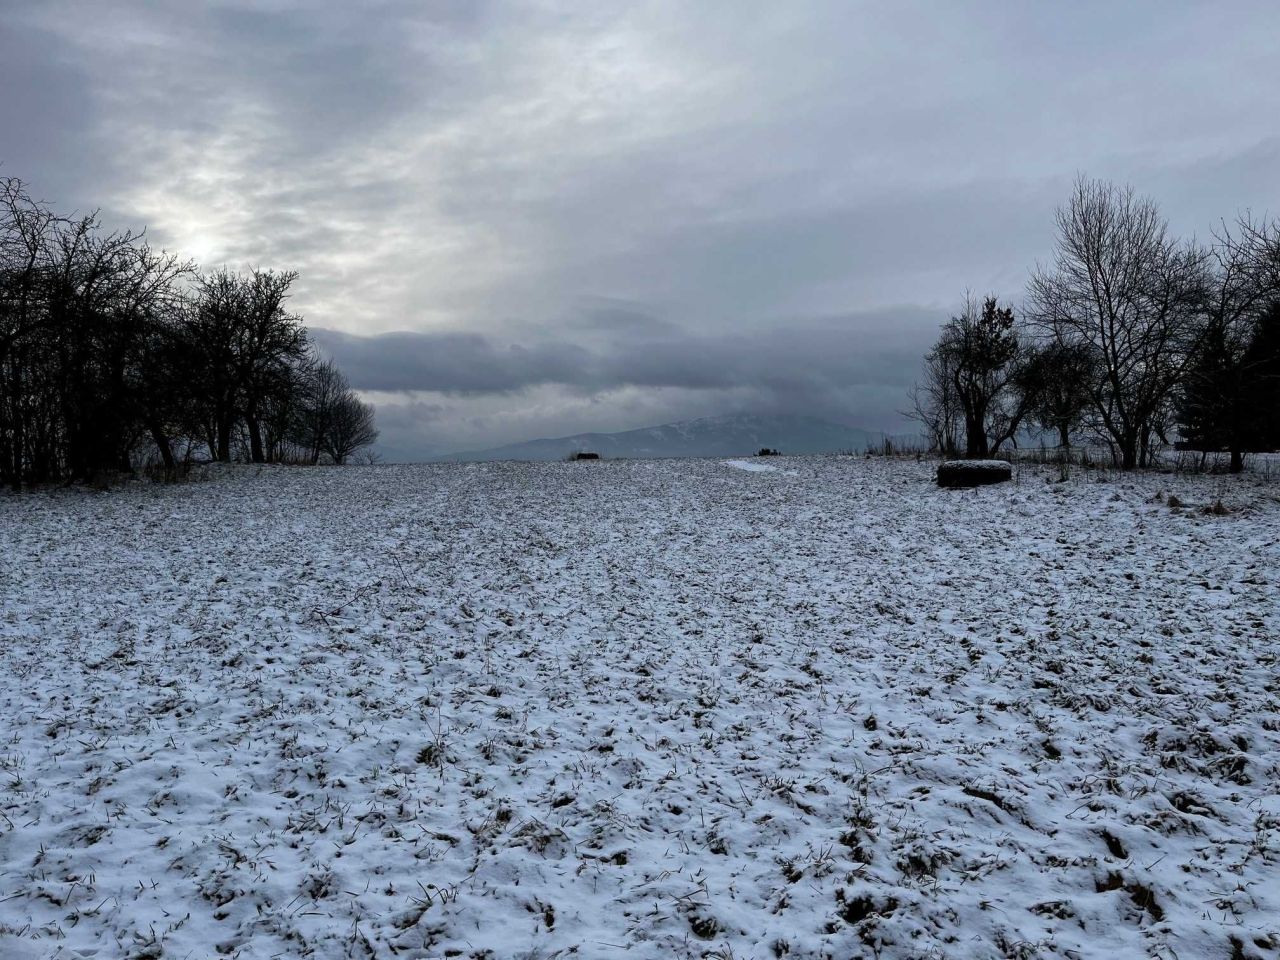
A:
[114,355]
[1128,336]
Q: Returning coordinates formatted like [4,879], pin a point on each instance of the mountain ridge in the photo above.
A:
[727,435]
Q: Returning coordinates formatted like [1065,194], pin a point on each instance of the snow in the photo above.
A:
[527,710]
[976,464]
[752,466]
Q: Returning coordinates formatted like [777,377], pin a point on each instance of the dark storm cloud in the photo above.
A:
[450,363]
[785,367]
[589,215]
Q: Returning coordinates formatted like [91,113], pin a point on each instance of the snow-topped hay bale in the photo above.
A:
[973,473]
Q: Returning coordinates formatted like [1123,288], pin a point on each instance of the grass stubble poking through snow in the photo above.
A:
[666,709]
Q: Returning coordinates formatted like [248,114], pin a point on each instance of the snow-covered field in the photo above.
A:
[661,709]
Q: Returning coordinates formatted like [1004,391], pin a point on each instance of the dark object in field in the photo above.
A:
[973,473]
[584,455]
[768,452]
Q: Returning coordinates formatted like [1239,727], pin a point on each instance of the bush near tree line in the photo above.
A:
[1128,336]
[112,352]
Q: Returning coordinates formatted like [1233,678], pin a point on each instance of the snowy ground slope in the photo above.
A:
[752,466]
[672,709]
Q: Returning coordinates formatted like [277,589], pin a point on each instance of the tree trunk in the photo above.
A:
[1237,461]
[255,438]
[223,453]
[975,438]
[162,444]
[19,437]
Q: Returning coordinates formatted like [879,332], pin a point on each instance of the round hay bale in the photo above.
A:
[973,473]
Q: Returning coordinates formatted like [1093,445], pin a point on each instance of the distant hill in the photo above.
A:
[735,435]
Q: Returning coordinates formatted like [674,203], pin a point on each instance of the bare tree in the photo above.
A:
[935,405]
[27,230]
[271,345]
[323,390]
[280,411]
[351,429]
[331,419]
[1255,245]
[211,330]
[106,350]
[78,310]
[246,349]
[1123,290]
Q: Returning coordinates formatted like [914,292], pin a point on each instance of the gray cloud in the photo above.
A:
[799,357]
[459,364]
[852,368]
[560,216]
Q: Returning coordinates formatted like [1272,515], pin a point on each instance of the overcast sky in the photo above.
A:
[529,219]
